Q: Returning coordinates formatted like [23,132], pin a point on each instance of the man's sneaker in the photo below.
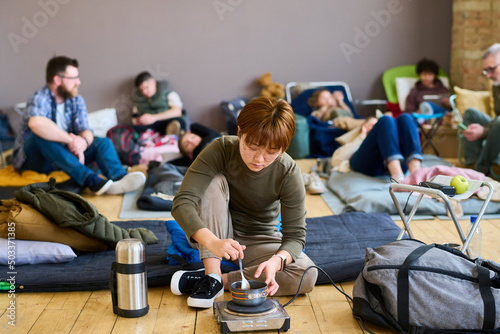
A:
[306,178]
[173,128]
[184,281]
[97,184]
[206,290]
[316,186]
[128,182]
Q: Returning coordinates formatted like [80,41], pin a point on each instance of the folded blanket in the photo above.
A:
[483,192]
[161,186]
[426,173]
[180,251]
[72,210]
[10,177]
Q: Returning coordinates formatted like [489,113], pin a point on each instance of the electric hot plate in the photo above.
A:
[236,318]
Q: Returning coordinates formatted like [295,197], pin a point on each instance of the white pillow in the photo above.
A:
[33,252]
[404,85]
[102,120]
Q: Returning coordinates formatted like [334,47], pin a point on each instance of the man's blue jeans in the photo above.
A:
[44,156]
[160,126]
[389,139]
[482,152]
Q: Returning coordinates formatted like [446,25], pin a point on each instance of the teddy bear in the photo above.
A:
[270,88]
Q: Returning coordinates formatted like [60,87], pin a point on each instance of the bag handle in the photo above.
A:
[403,290]
[487,296]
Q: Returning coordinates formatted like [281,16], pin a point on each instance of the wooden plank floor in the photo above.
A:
[324,310]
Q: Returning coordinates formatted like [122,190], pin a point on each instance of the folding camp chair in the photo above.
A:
[397,82]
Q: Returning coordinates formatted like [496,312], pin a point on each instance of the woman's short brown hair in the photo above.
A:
[267,122]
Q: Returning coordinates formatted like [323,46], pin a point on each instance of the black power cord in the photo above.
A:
[329,278]
[407,200]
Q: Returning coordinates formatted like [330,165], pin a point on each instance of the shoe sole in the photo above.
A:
[104,188]
[316,192]
[316,187]
[129,182]
[204,303]
[176,277]
[173,128]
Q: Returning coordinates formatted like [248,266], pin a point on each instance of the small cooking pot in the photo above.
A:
[254,296]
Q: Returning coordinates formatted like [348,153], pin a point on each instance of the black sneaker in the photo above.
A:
[206,290]
[183,281]
[97,184]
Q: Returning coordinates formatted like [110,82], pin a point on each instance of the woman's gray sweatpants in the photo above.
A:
[213,209]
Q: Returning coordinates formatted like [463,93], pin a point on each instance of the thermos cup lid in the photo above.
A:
[130,251]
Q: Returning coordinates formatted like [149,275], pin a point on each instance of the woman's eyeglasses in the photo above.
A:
[253,152]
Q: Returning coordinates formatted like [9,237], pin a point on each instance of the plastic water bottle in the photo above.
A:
[476,240]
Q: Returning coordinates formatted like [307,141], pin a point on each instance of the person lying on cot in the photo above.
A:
[328,105]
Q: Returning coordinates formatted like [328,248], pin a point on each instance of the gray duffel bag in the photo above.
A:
[412,287]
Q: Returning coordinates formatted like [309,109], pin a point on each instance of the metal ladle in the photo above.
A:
[244,283]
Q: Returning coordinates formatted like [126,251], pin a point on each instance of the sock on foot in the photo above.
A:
[398,177]
[118,178]
[217,277]
[97,184]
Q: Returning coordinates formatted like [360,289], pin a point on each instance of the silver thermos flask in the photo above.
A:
[128,283]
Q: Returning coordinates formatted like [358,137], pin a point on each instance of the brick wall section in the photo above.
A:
[476,23]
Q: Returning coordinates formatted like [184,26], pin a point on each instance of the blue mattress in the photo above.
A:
[335,243]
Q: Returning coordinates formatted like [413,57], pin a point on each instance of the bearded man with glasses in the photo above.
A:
[483,133]
[55,135]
